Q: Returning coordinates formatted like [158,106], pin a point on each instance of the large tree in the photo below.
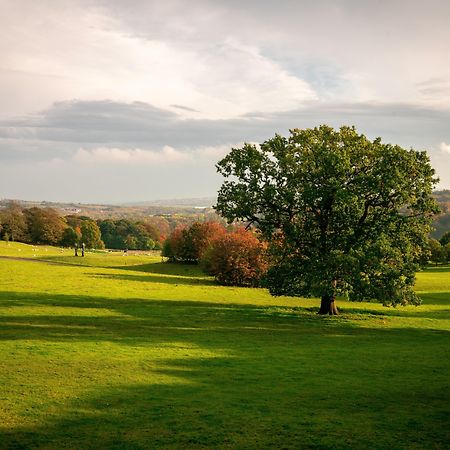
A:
[345,215]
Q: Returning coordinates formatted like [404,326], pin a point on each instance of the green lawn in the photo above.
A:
[127,352]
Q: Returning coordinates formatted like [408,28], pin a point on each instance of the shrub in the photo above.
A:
[237,259]
[188,244]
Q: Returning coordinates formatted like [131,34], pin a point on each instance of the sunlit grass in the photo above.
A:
[115,351]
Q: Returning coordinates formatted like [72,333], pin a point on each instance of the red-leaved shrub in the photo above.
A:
[187,244]
[236,259]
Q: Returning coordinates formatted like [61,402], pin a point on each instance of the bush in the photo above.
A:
[237,259]
[188,244]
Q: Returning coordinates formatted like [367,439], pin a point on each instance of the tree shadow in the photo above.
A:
[154,278]
[135,321]
[429,299]
[268,396]
[438,269]
[269,377]
[166,268]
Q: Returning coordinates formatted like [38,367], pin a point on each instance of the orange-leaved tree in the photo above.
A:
[237,258]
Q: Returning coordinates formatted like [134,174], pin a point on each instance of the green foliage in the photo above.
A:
[446,248]
[167,250]
[237,258]
[445,239]
[123,233]
[90,234]
[346,216]
[70,237]
[436,251]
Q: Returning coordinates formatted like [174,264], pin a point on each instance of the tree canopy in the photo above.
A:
[344,215]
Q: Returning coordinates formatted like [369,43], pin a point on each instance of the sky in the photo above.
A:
[110,101]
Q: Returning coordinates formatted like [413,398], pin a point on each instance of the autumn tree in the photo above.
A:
[14,225]
[237,258]
[350,216]
[45,226]
[188,243]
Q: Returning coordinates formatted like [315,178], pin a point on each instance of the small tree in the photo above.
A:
[173,244]
[90,234]
[445,239]
[446,252]
[236,259]
[437,251]
[70,237]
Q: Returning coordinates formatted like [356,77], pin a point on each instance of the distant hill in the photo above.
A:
[189,207]
[201,202]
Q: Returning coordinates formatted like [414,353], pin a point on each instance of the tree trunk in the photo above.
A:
[328,305]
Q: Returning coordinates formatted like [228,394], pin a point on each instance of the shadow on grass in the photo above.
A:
[438,269]
[154,278]
[238,405]
[271,379]
[136,321]
[166,268]
[438,299]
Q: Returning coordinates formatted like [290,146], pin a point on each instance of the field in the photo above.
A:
[128,352]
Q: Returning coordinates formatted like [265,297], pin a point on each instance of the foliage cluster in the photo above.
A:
[234,256]
[439,250]
[127,234]
[189,243]
[237,258]
[45,226]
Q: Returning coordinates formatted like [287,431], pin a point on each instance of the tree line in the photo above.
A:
[46,226]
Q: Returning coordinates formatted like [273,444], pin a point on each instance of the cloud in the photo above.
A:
[105,155]
[136,128]
[86,53]
[139,157]
[223,59]
[445,147]
[345,50]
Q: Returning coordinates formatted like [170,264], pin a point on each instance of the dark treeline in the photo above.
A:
[46,226]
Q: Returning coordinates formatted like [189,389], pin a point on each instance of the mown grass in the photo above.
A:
[127,352]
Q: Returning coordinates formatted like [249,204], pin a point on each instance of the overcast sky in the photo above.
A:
[116,100]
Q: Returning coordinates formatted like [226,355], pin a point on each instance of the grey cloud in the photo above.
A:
[69,125]
[435,86]
[57,133]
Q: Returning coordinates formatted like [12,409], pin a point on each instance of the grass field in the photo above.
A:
[127,352]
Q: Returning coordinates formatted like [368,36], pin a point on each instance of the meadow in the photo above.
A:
[129,352]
